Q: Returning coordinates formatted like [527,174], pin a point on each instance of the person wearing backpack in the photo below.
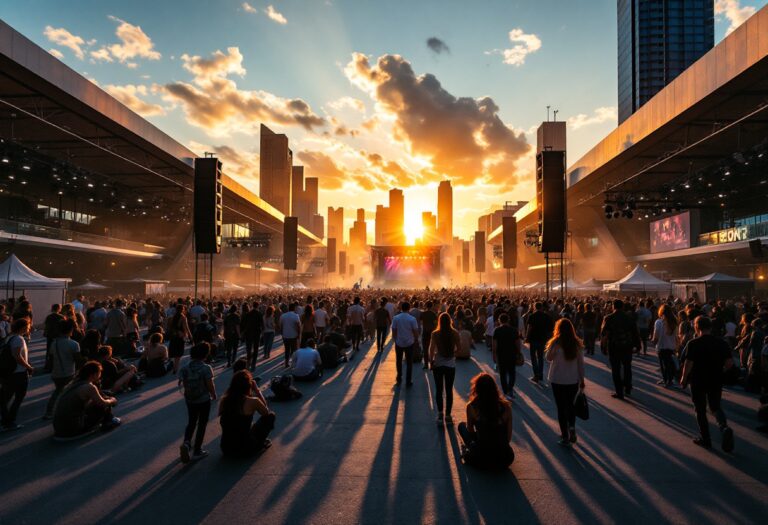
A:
[65,354]
[15,371]
[196,379]
[444,343]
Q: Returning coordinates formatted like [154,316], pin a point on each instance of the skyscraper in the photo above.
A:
[396,217]
[445,212]
[382,224]
[429,229]
[358,234]
[658,40]
[304,193]
[275,170]
[336,225]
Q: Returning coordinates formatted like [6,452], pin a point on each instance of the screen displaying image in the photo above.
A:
[671,233]
[407,267]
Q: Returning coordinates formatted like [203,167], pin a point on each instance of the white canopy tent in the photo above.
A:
[570,285]
[590,285]
[17,279]
[639,280]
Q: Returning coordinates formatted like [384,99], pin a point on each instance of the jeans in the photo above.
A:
[290,348]
[507,376]
[252,348]
[197,416]
[644,334]
[269,339]
[406,351]
[58,385]
[230,346]
[425,338]
[701,396]
[590,335]
[356,330]
[444,375]
[566,415]
[381,337]
[13,386]
[537,358]
[667,364]
[621,370]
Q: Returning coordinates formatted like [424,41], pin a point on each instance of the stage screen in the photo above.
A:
[398,268]
[671,233]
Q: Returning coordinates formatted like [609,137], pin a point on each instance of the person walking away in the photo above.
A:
[253,326]
[355,320]
[236,409]
[405,332]
[428,321]
[268,335]
[383,321]
[643,320]
[538,332]
[116,331]
[66,354]
[706,358]
[15,381]
[488,429]
[665,340]
[566,376]
[588,323]
[231,334]
[506,347]
[307,325]
[618,339]
[196,381]
[444,344]
[51,328]
[321,319]
[178,330]
[290,328]
[81,407]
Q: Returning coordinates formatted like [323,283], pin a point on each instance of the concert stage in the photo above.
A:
[405,266]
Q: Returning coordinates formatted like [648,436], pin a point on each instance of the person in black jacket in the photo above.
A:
[251,328]
[618,338]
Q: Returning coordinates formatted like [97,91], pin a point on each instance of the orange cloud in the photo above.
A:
[129,95]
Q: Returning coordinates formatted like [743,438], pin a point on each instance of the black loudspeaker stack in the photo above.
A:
[290,243]
[208,211]
[331,255]
[479,251]
[509,242]
[550,200]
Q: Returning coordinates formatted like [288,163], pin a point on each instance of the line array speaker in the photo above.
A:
[480,251]
[208,205]
[509,242]
[550,200]
[330,254]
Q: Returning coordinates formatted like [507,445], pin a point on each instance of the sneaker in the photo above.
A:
[448,419]
[660,382]
[12,427]
[267,443]
[702,443]
[48,416]
[564,442]
[572,433]
[184,453]
[200,454]
[439,419]
[509,397]
[409,383]
[727,443]
[533,379]
[617,396]
[112,424]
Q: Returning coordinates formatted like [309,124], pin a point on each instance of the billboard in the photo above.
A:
[671,233]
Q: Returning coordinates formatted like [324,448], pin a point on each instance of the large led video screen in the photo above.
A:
[671,233]
[407,267]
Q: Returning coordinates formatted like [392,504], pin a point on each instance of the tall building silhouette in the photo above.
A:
[658,40]
[429,229]
[358,234]
[396,217]
[445,212]
[382,224]
[275,169]
[336,225]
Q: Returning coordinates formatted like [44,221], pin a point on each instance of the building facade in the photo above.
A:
[445,212]
[275,170]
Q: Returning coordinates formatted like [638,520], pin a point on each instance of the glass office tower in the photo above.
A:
[658,40]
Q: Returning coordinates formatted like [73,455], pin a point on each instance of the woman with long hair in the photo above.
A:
[307,325]
[665,339]
[238,436]
[488,429]
[564,351]
[178,330]
[444,344]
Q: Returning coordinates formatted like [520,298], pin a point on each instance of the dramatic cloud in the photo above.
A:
[733,12]
[461,138]
[347,102]
[437,45]
[524,45]
[134,43]
[129,95]
[242,165]
[604,114]
[214,102]
[273,14]
[55,52]
[62,37]
[248,8]
[320,165]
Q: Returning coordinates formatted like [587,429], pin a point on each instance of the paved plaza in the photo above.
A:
[356,449]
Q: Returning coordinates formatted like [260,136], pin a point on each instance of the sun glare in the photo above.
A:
[412,228]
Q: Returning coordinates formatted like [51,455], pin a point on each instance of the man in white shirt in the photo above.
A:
[321,319]
[77,304]
[290,328]
[306,364]
[14,385]
[355,320]
[405,332]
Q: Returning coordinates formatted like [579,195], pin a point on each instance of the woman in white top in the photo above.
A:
[665,339]
[565,352]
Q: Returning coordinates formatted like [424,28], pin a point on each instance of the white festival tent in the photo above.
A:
[590,285]
[17,279]
[570,284]
[638,280]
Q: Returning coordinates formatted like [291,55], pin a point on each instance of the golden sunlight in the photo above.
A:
[412,227]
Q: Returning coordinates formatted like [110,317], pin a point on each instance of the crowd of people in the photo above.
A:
[95,351]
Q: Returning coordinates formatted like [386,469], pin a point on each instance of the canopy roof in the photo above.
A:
[16,274]
[638,280]
[716,278]
[88,285]
[590,284]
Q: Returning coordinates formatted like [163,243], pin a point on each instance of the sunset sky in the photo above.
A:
[372,95]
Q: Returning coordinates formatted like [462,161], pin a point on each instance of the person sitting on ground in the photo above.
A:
[80,407]
[242,364]
[488,429]
[89,346]
[196,378]
[116,376]
[306,364]
[239,438]
[330,354]
[154,362]
[337,336]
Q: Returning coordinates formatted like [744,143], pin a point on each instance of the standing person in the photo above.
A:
[405,332]
[290,328]
[231,334]
[443,346]
[428,321]
[618,338]
[236,409]
[665,339]
[116,330]
[307,325]
[268,335]
[51,332]
[178,330]
[13,385]
[64,353]
[355,320]
[643,320]
[538,331]
[196,378]
[383,321]
[488,430]
[566,376]
[490,326]
[253,325]
[588,327]
[706,358]
[321,320]
[506,347]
